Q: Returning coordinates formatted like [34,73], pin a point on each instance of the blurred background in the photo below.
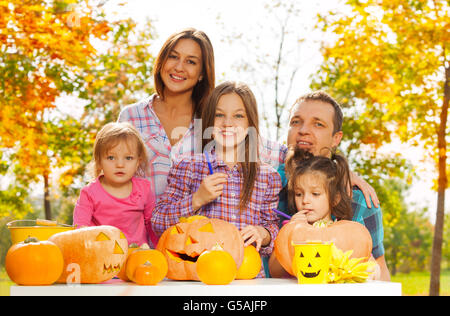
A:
[67,67]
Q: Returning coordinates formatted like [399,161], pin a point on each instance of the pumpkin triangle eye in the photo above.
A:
[122,236]
[118,249]
[317,255]
[301,255]
[102,237]
[179,230]
[207,228]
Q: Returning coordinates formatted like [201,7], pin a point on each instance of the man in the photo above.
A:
[315,124]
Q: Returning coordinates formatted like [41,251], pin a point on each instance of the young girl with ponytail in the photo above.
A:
[318,187]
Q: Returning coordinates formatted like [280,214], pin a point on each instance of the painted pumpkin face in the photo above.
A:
[183,243]
[99,253]
[311,262]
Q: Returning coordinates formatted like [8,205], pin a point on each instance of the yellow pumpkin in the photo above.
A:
[216,267]
[251,265]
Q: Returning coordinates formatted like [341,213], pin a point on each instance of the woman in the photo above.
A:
[184,75]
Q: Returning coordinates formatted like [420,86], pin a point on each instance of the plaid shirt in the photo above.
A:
[159,150]
[369,217]
[161,153]
[185,179]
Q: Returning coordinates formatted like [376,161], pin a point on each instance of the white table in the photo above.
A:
[256,287]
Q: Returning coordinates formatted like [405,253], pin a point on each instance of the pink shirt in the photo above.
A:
[132,215]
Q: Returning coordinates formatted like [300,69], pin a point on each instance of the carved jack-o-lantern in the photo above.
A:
[311,262]
[183,243]
[95,253]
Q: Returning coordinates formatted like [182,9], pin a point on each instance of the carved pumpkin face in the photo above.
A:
[183,243]
[99,252]
[311,262]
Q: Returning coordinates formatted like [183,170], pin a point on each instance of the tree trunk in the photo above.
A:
[48,211]
[442,185]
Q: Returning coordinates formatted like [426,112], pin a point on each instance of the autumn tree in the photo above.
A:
[389,64]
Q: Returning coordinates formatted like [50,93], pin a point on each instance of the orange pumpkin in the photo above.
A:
[123,272]
[251,265]
[216,267]
[183,243]
[143,255]
[34,262]
[147,274]
[91,254]
[346,235]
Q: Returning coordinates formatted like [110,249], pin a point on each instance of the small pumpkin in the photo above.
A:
[216,267]
[147,274]
[346,235]
[34,262]
[251,265]
[98,251]
[183,243]
[123,272]
[145,254]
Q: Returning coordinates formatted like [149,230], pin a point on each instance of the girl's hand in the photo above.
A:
[255,234]
[210,188]
[300,216]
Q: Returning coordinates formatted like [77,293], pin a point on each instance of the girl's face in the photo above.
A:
[183,67]
[311,197]
[120,163]
[231,122]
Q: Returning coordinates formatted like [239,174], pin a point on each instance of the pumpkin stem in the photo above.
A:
[147,264]
[217,247]
[30,240]
[145,246]
[133,245]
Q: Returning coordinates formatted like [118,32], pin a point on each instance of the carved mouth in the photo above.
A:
[178,256]
[111,268]
[310,274]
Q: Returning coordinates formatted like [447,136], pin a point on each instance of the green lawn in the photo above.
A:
[416,283]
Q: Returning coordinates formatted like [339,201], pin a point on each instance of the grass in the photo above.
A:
[416,283]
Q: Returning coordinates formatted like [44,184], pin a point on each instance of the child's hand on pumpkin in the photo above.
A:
[210,189]
[255,234]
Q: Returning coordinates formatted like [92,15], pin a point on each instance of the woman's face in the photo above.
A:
[183,67]
[231,122]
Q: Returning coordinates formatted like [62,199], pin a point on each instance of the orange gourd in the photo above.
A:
[145,254]
[216,267]
[34,262]
[183,243]
[147,274]
[251,265]
[345,235]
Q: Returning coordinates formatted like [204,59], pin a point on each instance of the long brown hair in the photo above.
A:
[203,87]
[250,163]
[337,175]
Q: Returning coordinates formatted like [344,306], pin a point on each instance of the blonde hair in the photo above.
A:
[110,136]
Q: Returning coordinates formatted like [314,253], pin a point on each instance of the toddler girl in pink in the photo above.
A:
[117,197]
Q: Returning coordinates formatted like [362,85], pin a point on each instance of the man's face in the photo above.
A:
[311,127]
